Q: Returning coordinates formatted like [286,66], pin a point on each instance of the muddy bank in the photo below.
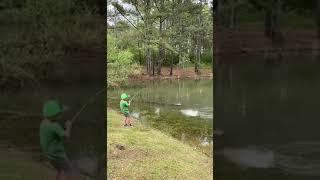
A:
[177,73]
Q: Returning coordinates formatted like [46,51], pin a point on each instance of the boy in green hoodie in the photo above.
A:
[52,137]
[124,108]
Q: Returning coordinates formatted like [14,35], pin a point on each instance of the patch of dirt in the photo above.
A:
[128,153]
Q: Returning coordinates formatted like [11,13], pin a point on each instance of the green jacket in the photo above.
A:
[51,140]
[124,107]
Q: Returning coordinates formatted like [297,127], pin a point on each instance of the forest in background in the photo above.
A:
[274,15]
[36,36]
[152,34]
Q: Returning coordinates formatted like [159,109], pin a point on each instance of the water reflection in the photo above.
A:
[157,111]
[299,158]
[294,158]
[250,157]
[190,112]
[274,108]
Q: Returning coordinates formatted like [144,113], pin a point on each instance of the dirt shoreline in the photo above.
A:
[178,73]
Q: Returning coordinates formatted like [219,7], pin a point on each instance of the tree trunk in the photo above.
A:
[198,48]
[139,47]
[196,68]
[212,60]
[171,66]
[149,61]
[232,15]
[273,21]
[276,31]
[267,23]
[318,18]
[149,58]
[153,63]
[161,48]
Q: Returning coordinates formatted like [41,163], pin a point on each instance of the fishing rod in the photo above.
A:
[74,118]
[135,95]
[85,105]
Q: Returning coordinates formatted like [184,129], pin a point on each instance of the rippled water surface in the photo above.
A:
[269,116]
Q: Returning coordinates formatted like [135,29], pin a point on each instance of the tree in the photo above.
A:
[169,30]
[318,18]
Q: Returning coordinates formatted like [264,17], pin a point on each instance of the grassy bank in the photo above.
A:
[19,165]
[150,154]
[15,165]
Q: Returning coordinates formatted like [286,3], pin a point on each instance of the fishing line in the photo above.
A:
[135,94]
[85,105]
[74,118]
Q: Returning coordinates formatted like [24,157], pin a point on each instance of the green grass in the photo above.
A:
[18,166]
[151,154]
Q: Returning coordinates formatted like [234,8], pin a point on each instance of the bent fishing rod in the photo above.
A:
[73,119]
[135,95]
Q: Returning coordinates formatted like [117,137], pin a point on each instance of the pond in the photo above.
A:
[268,113]
[21,131]
[180,108]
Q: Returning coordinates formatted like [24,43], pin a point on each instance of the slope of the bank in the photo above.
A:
[19,165]
[150,154]
[177,73]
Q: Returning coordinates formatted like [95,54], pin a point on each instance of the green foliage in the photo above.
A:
[207,57]
[294,12]
[36,35]
[169,30]
[120,62]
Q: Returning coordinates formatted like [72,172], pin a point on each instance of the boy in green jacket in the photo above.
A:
[51,139]
[124,108]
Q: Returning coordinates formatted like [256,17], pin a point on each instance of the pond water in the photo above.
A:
[180,108]
[84,147]
[269,116]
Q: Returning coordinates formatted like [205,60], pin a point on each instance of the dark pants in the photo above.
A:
[126,114]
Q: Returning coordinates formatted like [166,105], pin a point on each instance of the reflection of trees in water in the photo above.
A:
[174,92]
[281,104]
[180,127]
[299,158]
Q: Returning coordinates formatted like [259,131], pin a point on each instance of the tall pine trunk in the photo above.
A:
[160,57]
[277,31]
[273,16]
[153,63]
[232,15]
[212,61]
[318,18]
[198,50]
[196,68]
[161,47]
[171,65]
[267,23]
[147,34]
